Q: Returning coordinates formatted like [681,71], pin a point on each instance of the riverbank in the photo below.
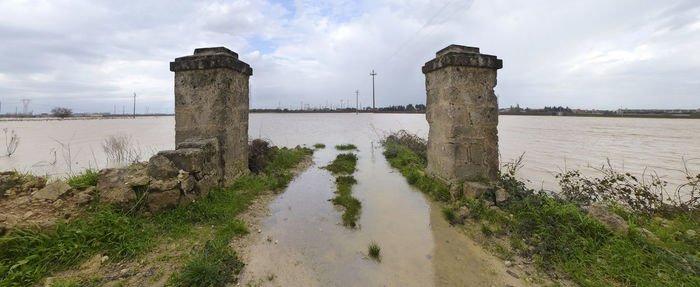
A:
[108,245]
[600,232]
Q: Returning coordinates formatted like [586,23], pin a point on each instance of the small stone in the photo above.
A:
[27,214]
[53,191]
[259,231]
[269,239]
[276,241]
[58,203]
[501,196]
[104,259]
[508,263]
[124,271]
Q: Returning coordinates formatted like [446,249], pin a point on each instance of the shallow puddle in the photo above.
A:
[304,244]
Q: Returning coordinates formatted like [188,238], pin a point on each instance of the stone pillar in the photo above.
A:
[462,111]
[211,101]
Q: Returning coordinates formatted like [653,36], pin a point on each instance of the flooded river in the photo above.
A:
[550,144]
[308,247]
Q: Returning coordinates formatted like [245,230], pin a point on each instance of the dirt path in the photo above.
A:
[460,261]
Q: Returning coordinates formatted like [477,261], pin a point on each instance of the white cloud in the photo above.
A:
[592,54]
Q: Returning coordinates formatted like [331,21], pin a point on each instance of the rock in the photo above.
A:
[137,175]
[646,233]
[508,263]
[187,159]
[187,181]
[27,214]
[111,183]
[690,234]
[53,191]
[84,196]
[187,198]
[608,218]
[473,189]
[205,184]
[160,167]
[104,259]
[158,185]
[501,196]
[161,200]
[58,203]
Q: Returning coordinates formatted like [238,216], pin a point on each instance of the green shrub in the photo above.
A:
[448,214]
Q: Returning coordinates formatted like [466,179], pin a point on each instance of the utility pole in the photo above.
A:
[134,105]
[373,74]
[25,104]
[357,102]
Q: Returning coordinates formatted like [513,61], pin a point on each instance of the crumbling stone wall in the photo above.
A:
[462,111]
[211,136]
[211,101]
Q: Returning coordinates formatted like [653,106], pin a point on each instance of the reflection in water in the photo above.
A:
[309,247]
[550,144]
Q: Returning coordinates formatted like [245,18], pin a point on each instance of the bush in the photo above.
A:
[259,154]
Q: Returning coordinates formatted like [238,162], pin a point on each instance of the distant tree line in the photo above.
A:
[557,109]
[406,108]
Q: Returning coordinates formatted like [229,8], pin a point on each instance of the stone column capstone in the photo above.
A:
[211,101]
[462,111]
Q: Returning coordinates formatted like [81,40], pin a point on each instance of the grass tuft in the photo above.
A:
[83,180]
[448,214]
[319,146]
[346,147]
[344,163]
[212,265]
[374,251]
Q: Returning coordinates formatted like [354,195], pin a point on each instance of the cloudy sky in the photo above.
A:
[93,55]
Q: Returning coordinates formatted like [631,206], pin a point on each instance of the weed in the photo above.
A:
[374,251]
[260,152]
[346,147]
[486,230]
[270,276]
[212,265]
[344,163]
[119,149]
[448,214]
[83,180]
[319,146]
[11,142]
[411,166]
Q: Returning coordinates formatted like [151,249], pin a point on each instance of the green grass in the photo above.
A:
[559,235]
[374,250]
[28,254]
[319,146]
[412,167]
[346,147]
[83,180]
[212,265]
[344,163]
[344,198]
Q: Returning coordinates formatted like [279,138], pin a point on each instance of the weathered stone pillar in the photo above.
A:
[462,111]
[211,101]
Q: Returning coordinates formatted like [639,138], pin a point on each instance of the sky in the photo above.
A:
[92,55]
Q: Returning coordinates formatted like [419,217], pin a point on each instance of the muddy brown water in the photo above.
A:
[550,144]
